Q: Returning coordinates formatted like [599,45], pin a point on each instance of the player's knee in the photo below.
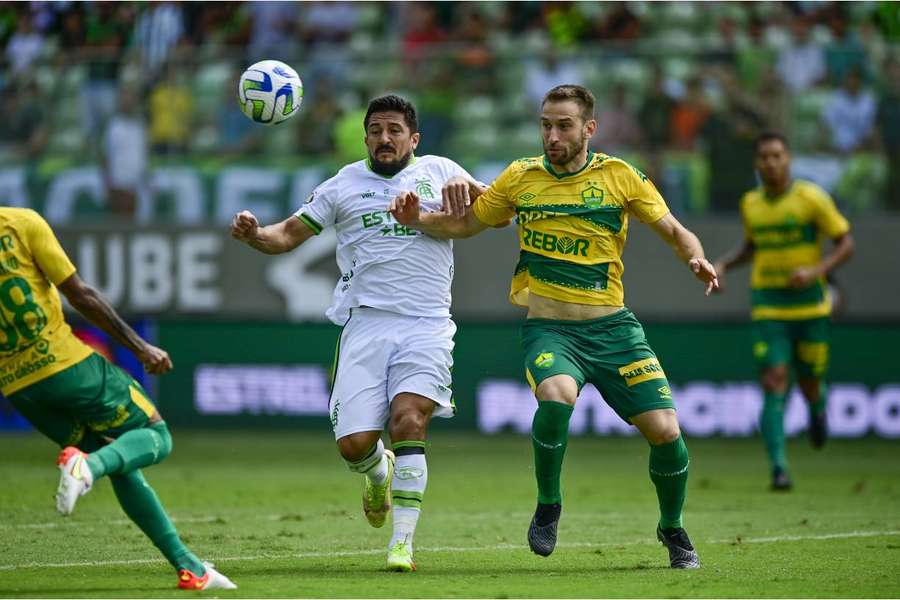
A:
[811,389]
[408,425]
[775,379]
[355,446]
[164,440]
[557,390]
[663,433]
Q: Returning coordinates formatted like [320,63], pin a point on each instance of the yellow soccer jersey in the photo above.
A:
[572,226]
[35,340]
[787,233]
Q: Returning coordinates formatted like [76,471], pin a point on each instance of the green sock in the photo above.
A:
[141,504]
[669,473]
[771,426]
[549,437]
[132,450]
[817,408]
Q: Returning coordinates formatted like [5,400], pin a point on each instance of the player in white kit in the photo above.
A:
[394,353]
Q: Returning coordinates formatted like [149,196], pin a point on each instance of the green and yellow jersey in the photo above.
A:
[572,226]
[35,340]
[787,233]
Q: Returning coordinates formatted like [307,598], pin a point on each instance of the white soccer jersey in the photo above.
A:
[385,265]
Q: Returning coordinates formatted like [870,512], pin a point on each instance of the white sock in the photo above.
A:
[408,489]
[374,465]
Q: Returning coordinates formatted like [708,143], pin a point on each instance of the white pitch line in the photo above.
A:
[344,553]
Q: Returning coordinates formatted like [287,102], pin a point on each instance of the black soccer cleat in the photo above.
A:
[681,552]
[818,430]
[542,531]
[781,481]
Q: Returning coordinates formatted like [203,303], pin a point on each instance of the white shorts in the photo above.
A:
[381,354]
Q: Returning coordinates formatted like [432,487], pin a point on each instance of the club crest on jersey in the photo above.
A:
[544,360]
[423,189]
[592,195]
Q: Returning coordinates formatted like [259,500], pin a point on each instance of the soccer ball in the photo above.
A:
[270,92]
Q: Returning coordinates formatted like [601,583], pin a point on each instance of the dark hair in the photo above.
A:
[578,94]
[769,136]
[392,103]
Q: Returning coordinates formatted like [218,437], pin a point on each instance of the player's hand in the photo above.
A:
[244,226]
[455,194]
[156,361]
[704,271]
[405,209]
[803,277]
[719,268]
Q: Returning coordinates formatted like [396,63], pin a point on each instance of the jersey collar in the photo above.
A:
[773,199]
[550,169]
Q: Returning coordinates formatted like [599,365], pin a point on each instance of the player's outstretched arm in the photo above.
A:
[271,239]
[94,307]
[406,209]
[735,258]
[688,248]
[459,193]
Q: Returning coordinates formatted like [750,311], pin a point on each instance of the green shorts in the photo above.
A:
[611,352]
[85,403]
[803,344]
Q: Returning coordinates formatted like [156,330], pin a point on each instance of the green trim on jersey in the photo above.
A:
[317,229]
[784,236]
[563,273]
[609,217]
[814,294]
[549,167]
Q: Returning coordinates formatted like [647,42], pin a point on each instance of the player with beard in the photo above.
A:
[572,209]
[394,354]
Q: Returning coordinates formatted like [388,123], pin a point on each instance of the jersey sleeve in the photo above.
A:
[318,212]
[643,199]
[49,255]
[495,205]
[828,219]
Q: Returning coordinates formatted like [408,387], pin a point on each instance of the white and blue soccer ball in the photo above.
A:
[270,92]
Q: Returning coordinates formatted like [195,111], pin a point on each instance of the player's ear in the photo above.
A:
[590,128]
[414,140]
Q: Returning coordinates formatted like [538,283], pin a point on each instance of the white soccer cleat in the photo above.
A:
[211,580]
[75,479]
[377,498]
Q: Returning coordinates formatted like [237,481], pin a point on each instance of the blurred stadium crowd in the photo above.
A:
[688,84]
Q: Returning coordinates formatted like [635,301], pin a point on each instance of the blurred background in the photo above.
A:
[119,122]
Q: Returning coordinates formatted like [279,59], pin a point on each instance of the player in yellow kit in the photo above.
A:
[101,417]
[572,207]
[785,221]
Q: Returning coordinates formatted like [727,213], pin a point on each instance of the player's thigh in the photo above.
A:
[551,349]
[54,423]
[359,400]
[121,404]
[624,368]
[422,363]
[94,396]
[811,347]
[771,344]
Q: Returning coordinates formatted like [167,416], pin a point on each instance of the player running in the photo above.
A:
[785,221]
[572,209]
[394,353]
[102,418]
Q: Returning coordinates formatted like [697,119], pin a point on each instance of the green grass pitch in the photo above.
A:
[279,513]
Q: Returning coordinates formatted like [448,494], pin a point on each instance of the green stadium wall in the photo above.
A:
[278,375]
